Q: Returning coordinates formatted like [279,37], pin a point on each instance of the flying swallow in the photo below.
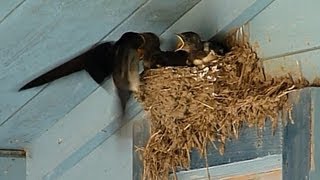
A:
[128,52]
[154,57]
[97,61]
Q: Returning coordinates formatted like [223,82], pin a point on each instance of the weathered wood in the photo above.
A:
[140,137]
[95,119]
[7,7]
[246,147]
[296,140]
[111,160]
[254,166]
[242,18]
[214,16]
[42,34]
[12,168]
[315,134]
[35,113]
[285,27]
[250,145]
[298,65]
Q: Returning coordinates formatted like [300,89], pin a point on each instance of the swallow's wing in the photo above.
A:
[67,68]
[90,60]
[100,62]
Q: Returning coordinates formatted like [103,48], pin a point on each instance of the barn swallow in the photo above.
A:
[128,52]
[199,51]
[97,61]
[191,41]
[154,57]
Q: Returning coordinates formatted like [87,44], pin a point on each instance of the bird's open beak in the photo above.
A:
[180,43]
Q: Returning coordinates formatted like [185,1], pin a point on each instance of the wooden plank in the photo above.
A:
[296,143]
[7,7]
[12,168]
[42,34]
[246,15]
[207,26]
[93,127]
[254,166]
[299,65]
[286,27]
[250,145]
[315,134]
[272,175]
[216,17]
[111,160]
[44,111]
[141,133]
[51,94]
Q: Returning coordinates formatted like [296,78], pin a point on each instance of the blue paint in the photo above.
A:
[244,17]
[315,96]
[42,34]
[206,18]
[286,26]
[7,7]
[296,140]
[299,65]
[258,165]
[78,143]
[249,146]
[92,144]
[12,168]
[45,110]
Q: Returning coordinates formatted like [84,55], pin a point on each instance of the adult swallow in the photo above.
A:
[97,61]
[128,52]
[154,57]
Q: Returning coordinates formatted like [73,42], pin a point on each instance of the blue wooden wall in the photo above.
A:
[68,127]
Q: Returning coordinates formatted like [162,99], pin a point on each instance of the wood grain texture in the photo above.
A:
[272,175]
[299,65]
[12,168]
[210,17]
[250,145]
[111,160]
[69,144]
[315,134]
[236,169]
[35,113]
[7,7]
[42,34]
[297,141]
[285,27]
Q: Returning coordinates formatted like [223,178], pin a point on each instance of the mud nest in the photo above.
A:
[190,107]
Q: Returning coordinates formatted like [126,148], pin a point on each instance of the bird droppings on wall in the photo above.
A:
[190,107]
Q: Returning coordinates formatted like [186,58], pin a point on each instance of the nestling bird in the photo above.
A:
[97,61]
[199,51]
[154,57]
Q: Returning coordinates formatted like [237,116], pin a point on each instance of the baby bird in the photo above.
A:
[200,52]
[154,57]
